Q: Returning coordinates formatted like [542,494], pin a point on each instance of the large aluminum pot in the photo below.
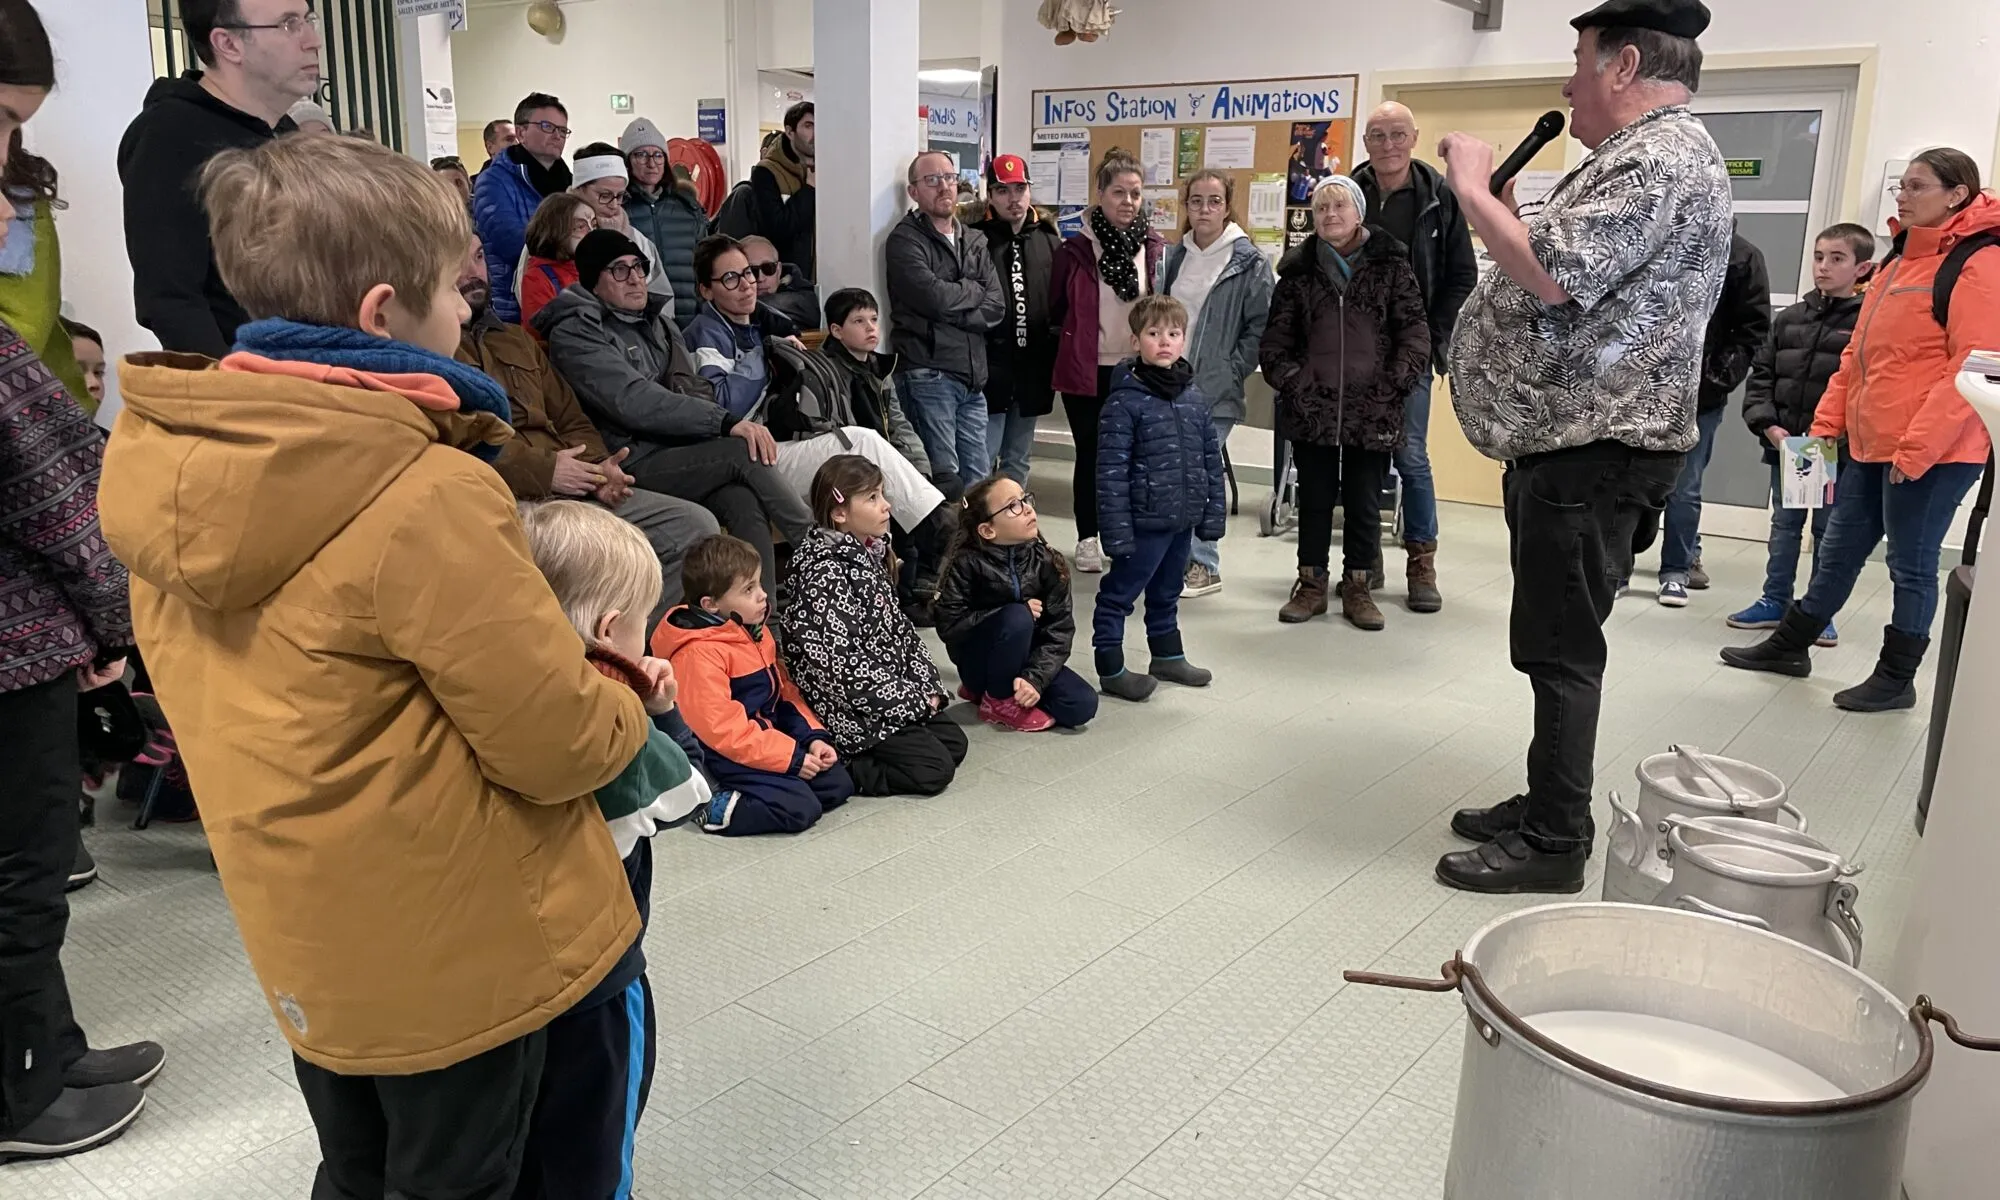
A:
[1682,782]
[1765,876]
[1537,1120]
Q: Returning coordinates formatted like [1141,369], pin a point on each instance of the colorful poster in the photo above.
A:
[1315,157]
[1271,242]
[1267,202]
[1230,147]
[1810,467]
[1156,156]
[1069,221]
[1164,207]
[1190,152]
[1321,98]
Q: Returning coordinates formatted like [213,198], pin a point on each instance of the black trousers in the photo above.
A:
[916,760]
[39,786]
[595,1081]
[1083,413]
[746,497]
[459,1133]
[1566,526]
[1354,475]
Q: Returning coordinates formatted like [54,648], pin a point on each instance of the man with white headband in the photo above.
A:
[601,177]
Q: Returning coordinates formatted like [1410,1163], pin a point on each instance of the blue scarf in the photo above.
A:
[338,346]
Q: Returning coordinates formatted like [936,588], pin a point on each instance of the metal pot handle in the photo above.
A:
[1792,810]
[1841,915]
[1622,820]
[1923,1010]
[1698,905]
[1449,976]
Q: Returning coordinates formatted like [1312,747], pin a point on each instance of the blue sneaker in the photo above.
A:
[721,807]
[1828,637]
[1674,594]
[1765,614]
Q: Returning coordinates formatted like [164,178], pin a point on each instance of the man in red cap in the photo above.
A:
[1021,349]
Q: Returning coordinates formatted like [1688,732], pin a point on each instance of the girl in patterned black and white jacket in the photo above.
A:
[853,654]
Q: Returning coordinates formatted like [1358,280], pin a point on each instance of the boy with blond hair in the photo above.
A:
[391,725]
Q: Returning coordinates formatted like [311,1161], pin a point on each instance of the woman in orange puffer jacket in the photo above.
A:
[1917,445]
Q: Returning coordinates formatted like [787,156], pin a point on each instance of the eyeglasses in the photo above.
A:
[1201,203]
[1400,137]
[625,272]
[648,156]
[1019,505]
[551,127]
[582,224]
[1915,188]
[766,269]
[936,180]
[292,26]
[735,279]
[606,198]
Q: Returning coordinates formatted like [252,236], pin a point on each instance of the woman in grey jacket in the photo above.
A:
[1225,282]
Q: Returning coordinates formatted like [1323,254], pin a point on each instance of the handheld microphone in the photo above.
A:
[1546,130]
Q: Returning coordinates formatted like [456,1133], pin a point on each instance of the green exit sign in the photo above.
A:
[1745,168]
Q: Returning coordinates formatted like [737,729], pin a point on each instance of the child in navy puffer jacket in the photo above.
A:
[1159,484]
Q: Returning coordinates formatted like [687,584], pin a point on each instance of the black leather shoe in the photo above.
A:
[1485,824]
[1787,651]
[137,1063]
[80,1119]
[1508,864]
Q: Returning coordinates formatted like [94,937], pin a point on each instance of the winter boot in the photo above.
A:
[1893,685]
[1308,597]
[1785,652]
[1114,680]
[1423,576]
[1378,576]
[1357,605]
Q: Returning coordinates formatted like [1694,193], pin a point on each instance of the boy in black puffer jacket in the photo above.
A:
[1159,482]
[1787,378]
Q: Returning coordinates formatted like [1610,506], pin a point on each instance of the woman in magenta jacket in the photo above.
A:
[1098,275]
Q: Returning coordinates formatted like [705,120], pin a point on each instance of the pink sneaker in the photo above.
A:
[1009,715]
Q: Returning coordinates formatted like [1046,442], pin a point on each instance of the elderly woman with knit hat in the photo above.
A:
[665,211]
[1347,338]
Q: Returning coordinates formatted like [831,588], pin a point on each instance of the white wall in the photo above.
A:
[104,64]
[1937,84]
[948,29]
[666,53]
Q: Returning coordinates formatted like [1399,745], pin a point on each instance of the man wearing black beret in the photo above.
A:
[1577,362]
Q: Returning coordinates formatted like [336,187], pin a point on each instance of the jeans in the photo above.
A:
[1680,545]
[1356,476]
[1413,463]
[1156,568]
[994,653]
[1914,515]
[1788,535]
[1010,443]
[1207,553]
[1562,523]
[951,419]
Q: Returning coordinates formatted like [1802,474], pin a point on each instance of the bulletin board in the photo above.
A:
[1276,138]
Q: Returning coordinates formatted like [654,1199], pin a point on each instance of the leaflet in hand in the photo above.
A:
[1809,465]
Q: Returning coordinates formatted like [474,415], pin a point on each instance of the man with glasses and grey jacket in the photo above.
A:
[943,297]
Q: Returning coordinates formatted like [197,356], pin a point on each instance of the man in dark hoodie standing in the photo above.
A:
[783,192]
[1021,349]
[1409,199]
[258,58]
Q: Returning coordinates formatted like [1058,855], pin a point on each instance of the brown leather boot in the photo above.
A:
[1424,596]
[1308,597]
[1357,605]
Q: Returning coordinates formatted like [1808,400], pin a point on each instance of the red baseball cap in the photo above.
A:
[1007,168]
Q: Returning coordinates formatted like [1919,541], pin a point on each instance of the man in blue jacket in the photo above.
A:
[512,186]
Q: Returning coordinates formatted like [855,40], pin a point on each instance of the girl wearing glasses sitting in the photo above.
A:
[1004,613]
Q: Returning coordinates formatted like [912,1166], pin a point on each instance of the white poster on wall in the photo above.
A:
[1230,147]
[1156,156]
[440,120]
[1321,98]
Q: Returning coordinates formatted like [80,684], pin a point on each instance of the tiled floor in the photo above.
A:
[1102,965]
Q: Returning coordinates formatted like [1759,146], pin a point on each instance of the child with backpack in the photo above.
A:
[857,658]
[1004,613]
[1787,378]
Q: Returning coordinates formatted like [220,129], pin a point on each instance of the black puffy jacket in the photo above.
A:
[981,579]
[1795,363]
[1741,324]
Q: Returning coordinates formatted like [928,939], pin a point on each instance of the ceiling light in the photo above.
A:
[949,75]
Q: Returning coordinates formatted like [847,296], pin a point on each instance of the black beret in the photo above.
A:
[599,249]
[1678,18]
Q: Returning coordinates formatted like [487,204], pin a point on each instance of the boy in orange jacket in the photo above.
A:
[774,768]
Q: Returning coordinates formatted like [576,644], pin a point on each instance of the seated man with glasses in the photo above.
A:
[1409,199]
[257,58]
[513,186]
[787,302]
[668,214]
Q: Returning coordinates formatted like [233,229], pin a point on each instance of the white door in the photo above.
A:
[1785,151]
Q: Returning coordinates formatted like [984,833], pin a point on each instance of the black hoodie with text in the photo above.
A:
[177,291]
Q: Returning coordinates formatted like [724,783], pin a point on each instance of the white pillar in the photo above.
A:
[425,52]
[104,64]
[741,101]
[865,85]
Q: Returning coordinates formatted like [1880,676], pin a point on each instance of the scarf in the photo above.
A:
[1334,265]
[339,346]
[1165,382]
[545,180]
[1121,246]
